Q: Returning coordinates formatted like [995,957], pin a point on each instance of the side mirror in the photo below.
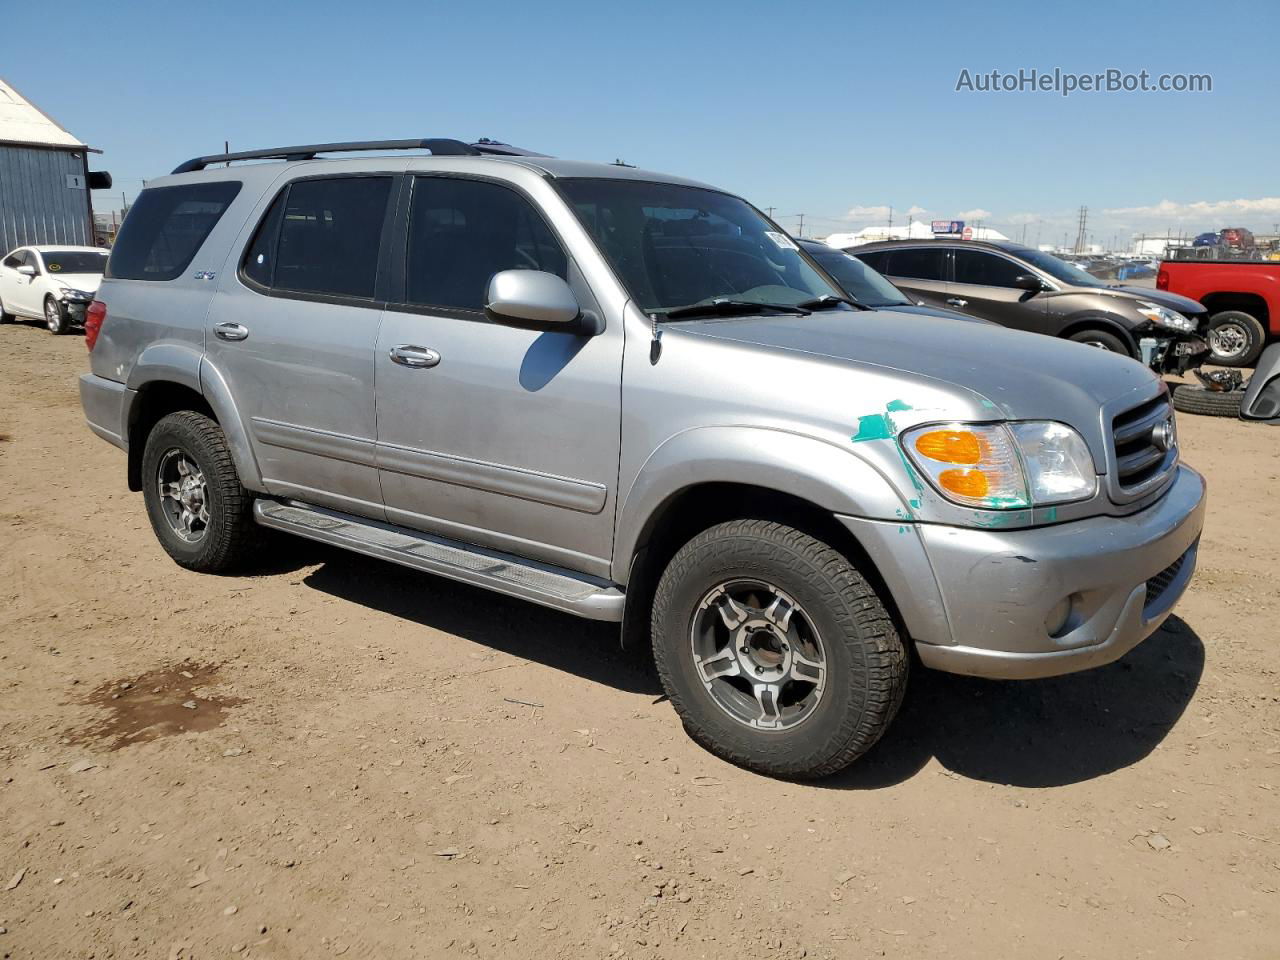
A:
[1028,281]
[534,300]
[1262,396]
[27,270]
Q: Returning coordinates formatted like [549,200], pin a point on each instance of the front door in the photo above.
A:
[982,285]
[16,290]
[293,335]
[489,434]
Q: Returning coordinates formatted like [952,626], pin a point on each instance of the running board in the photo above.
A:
[501,572]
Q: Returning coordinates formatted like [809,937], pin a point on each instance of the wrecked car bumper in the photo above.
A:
[1048,600]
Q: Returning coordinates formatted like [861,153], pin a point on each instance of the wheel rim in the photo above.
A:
[1228,341]
[1096,343]
[758,655]
[184,495]
[52,316]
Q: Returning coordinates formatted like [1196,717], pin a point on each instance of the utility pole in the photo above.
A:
[891,219]
[1080,231]
[769,212]
[800,233]
[226,148]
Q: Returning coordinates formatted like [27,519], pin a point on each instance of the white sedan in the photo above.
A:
[53,284]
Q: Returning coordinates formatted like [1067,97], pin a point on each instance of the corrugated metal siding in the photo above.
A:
[36,205]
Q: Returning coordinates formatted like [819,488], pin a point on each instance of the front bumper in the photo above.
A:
[1175,354]
[75,310]
[984,613]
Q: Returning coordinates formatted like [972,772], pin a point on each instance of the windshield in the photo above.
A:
[1059,269]
[859,280]
[74,261]
[674,246]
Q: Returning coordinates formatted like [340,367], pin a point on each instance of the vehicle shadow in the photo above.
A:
[584,648]
[1038,733]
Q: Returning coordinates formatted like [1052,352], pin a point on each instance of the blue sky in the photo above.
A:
[838,110]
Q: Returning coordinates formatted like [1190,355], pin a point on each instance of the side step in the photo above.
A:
[540,583]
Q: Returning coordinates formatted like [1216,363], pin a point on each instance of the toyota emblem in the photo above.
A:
[1163,436]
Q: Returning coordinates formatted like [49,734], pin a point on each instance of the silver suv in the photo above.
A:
[632,397]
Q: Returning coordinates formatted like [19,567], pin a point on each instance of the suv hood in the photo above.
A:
[1184,305]
[1013,374]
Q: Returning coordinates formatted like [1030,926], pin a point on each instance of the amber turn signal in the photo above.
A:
[967,483]
[950,446]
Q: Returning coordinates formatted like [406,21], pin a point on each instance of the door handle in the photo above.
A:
[410,355]
[957,302]
[229,330]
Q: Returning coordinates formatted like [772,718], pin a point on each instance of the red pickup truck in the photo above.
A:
[1243,300]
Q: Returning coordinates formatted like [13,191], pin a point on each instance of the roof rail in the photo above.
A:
[438,148]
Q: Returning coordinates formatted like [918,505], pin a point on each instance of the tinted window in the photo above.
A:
[165,227]
[74,261]
[260,257]
[329,236]
[918,263]
[674,246]
[976,266]
[877,260]
[462,232]
[16,259]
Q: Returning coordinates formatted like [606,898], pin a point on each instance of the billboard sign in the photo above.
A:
[948,227]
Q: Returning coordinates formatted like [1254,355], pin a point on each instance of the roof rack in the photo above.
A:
[438,147]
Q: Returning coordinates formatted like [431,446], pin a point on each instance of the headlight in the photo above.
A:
[1003,466]
[69,293]
[1164,317]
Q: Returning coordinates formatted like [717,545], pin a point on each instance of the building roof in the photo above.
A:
[23,122]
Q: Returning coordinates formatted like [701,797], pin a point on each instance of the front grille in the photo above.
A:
[1140,462]
[1158,584]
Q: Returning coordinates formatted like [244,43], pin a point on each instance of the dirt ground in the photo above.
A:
[338,757]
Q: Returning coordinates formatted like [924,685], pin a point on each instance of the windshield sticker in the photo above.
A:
[54,267]
[781,240]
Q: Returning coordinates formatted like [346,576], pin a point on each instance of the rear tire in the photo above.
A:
[55,317]
[1189,398]
[200,512]
[1102,340]
[1235,339]
[745,617]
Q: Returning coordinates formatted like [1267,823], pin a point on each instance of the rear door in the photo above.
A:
[498,436]
[982,286]
[920,272]
[292,333]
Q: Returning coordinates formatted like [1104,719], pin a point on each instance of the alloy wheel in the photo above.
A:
[758,654]
[184,495]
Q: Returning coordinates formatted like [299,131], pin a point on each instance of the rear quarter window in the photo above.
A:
[166,226]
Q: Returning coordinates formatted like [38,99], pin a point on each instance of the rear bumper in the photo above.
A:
[106,408]
[985,611]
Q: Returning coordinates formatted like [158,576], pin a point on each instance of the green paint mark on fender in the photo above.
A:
[874,426]
[897,406]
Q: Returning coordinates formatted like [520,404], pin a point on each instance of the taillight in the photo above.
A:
[1162,280]
[94,317]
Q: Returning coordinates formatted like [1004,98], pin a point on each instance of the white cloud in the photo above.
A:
[1018,219]
[1169,210]
[977,213]
[868,213]
[914,211]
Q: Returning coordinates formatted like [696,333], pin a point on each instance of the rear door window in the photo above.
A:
[985,269]
[329,236]
[166,226]
[918,263]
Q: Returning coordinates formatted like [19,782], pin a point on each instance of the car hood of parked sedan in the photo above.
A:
[1014,374]
[79,281]
[927,311]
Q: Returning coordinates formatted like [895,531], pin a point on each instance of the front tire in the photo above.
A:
[775,651]
[200,512]
[1235,339]
[1102,340]
[55,317]
[5,315]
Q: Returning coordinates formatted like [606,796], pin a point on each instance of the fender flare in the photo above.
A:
[825,474]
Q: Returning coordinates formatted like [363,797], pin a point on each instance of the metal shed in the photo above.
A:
[44,178]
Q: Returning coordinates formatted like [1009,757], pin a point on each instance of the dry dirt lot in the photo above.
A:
[337,757]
